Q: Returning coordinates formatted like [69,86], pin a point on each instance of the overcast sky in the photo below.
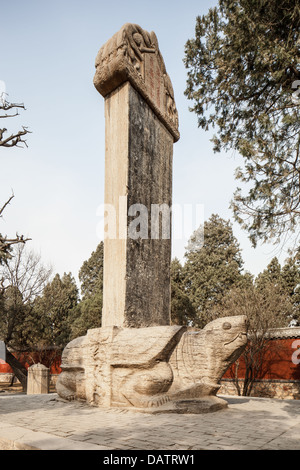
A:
[48,51]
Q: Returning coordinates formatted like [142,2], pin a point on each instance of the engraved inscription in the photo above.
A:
[154,81]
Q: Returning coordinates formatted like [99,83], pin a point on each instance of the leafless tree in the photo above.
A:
[23,278]
[15,139]
[26,273]
[265,309]
[5,242]
[10,110]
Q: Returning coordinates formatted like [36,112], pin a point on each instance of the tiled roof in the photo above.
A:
[293,332]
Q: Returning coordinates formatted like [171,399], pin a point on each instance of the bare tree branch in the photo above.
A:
[5,105]
[8,115]
[7,243]
[26,272]
[6,204]
[14,139]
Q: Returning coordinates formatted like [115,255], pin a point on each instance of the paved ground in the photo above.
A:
[45,422]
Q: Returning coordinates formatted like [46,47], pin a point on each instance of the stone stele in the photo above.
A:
[141,126]
[38,379]
[137,359]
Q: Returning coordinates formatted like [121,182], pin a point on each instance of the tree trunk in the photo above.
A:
[18,369]
[248,381]
[12,380]
[236,378]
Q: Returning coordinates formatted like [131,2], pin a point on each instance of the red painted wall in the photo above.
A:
[281,361]
[4,368]
[50,360]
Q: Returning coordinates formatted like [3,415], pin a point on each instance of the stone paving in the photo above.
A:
[47,423]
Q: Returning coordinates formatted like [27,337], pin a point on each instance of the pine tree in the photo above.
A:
[211,270]
[270,275]
[91,273]
[243,79]
[291,283]
[182,310]
[286,280]
[89,311]
[55,310]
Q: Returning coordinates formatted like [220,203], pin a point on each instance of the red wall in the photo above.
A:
[51,360]
[4,368]
[277,361]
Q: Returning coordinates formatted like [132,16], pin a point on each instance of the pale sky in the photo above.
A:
[48,50]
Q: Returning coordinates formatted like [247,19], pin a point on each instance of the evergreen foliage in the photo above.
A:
[243,78]
[212,266]
[182,309]
[89,311]
[54,310]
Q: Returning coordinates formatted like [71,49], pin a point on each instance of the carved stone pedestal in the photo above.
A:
[154,369]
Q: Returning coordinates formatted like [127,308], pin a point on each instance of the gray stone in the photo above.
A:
[137,360]
[141,123]
[38,380]
[154,369]
[138,172]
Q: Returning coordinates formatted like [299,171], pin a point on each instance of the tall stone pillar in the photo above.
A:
[137,360]
[141,126]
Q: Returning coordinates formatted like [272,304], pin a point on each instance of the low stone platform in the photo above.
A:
[45,422]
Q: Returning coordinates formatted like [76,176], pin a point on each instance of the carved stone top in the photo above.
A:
[133,55]
[38,366]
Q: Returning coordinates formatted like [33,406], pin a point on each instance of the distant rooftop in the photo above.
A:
[291,332]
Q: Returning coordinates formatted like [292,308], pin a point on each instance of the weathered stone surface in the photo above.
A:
[156,369]
[141,123]
[133,55]
[137,360]
[138,169]
[38,379]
